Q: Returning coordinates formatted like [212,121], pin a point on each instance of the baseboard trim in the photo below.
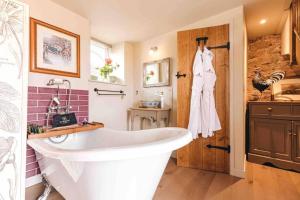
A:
[33,180]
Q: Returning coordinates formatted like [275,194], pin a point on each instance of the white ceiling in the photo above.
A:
[275,11]
[113,21]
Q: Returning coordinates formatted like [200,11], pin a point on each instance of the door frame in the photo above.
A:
[237,96]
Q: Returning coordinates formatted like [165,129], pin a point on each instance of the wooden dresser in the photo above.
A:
[274,134]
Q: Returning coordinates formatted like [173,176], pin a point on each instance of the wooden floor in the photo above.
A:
[32,193]
[177,183]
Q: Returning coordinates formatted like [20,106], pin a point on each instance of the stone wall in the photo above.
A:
[264,54]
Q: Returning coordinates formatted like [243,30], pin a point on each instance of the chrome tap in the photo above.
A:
[55,106]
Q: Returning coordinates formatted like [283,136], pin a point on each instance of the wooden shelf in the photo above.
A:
[66,130]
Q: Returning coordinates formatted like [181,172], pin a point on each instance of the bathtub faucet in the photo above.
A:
[55,106]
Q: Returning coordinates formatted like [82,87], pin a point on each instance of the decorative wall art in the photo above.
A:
[53,50]
[8,167]
[9,112]
[13,95]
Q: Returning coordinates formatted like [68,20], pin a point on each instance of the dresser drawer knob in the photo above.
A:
[270,109]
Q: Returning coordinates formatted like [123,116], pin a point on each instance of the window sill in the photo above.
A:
[102,82]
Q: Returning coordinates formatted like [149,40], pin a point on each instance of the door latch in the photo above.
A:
[178,75]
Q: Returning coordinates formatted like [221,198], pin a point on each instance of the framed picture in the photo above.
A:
[53,50]
[286,90]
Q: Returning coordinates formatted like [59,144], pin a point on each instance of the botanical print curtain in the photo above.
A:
[13,27]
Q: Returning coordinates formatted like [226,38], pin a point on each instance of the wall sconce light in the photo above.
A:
[153,50]
[263,21]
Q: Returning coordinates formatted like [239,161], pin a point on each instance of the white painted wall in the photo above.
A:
[56,15]
[112,110]
[167,47]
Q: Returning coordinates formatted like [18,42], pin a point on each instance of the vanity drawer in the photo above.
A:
[271,110]
[143,114]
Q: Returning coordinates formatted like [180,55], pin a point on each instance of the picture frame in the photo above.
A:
[286,90]
[53,50]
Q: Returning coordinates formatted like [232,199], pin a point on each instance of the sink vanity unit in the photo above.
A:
[155,115]
[156,74]
[274,134]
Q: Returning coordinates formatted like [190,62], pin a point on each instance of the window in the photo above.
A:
[106,63]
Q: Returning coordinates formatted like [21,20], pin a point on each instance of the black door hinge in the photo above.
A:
[219,147]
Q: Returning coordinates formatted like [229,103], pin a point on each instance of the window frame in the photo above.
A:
[108,46]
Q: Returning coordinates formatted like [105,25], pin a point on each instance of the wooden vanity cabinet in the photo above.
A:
[274,134]
[271,138]
[296,141]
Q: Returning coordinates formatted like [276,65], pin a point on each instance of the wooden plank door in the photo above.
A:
[196,154]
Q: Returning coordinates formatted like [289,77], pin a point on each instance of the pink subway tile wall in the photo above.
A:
[38,101]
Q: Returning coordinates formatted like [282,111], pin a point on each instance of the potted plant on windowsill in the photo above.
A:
[107,69]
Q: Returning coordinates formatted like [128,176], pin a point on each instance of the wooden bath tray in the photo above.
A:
[66,130]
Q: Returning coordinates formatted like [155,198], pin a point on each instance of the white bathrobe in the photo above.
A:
[203,115]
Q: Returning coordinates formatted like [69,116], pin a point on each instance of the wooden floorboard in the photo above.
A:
[33,192]
[178,183]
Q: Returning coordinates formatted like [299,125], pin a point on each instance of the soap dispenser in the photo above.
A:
[161,94]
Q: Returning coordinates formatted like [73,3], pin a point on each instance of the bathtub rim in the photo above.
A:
[114,153]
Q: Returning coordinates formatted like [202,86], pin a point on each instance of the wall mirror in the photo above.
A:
[157,73]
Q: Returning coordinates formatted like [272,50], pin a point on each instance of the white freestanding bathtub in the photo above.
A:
[109,165]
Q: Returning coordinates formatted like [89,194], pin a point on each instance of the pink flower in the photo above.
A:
[108,61]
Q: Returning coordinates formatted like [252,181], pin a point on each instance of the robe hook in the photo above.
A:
[199,39]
